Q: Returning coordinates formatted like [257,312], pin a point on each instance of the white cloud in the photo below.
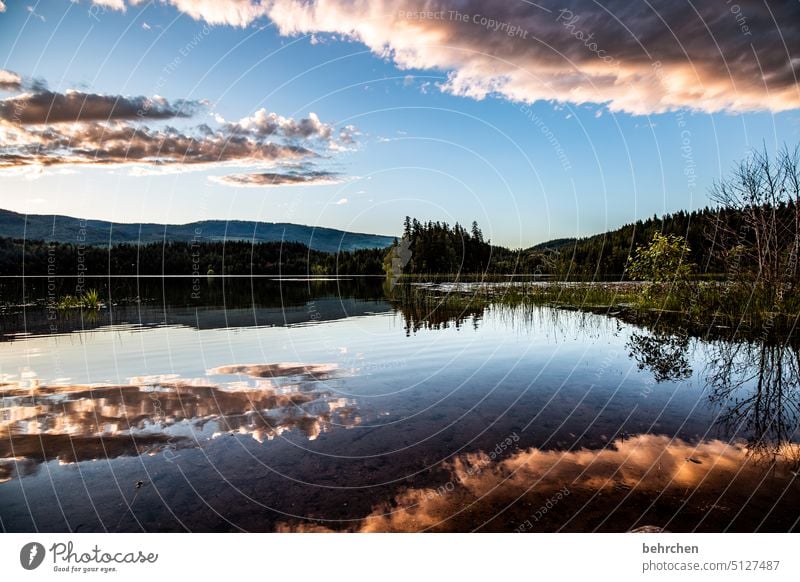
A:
[232,12]
[9,80]
[265,123]
[111,4]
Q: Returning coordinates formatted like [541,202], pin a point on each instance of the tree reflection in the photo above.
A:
[431,316]
[756,384]
[663,354]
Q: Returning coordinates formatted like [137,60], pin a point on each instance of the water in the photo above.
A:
[266,405]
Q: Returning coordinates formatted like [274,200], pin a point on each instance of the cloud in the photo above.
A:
[9,80]
[103,143]
[631,56]
[42,129]
[342,201]
[112,4]
[639,58]
[50,107]
[293,178]
[2,6]
[231,12]
[265,123]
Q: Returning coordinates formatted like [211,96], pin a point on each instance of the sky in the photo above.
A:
[536,120]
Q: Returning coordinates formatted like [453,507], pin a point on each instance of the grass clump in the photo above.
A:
[89,300]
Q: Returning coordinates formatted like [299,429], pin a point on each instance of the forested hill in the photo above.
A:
[556,243]
[607,253]
[66,229]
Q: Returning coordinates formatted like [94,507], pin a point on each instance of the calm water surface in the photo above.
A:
[298,406]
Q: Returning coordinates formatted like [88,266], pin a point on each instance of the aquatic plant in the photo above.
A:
[90,299]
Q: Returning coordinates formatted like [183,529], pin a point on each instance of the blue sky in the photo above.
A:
[527,171]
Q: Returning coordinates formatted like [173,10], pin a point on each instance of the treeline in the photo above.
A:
[429,248]
[183,258]
[437,248]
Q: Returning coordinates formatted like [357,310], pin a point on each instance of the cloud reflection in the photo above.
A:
[153,414]
[501,496]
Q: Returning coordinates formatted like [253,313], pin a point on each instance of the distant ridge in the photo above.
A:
[555,244]
[66,229]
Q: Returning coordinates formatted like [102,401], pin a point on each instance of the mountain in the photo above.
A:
[66,229]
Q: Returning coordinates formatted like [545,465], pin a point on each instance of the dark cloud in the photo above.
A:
[124,143]
[43,128]
[636,57]
[50,107]
[293,178]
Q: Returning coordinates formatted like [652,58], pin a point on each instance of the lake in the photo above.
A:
[294,405]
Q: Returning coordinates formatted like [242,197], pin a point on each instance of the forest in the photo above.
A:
[182,258]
